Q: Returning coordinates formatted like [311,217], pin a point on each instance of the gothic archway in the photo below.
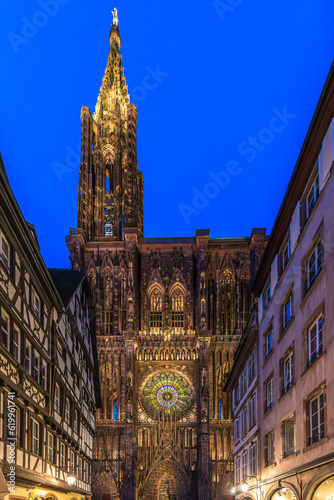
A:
[167,478]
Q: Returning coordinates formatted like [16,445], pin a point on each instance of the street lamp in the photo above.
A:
[233,490]
[245,486]
[70,480]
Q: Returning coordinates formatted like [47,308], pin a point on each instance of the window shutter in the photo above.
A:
[274,275]
[260,307]
[326,156]
[295,227]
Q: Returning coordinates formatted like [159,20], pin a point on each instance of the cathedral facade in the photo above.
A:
[169,316]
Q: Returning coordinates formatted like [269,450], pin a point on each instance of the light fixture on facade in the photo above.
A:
[233,490]
[70,480]
[244,486]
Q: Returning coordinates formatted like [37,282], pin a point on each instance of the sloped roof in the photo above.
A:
[67,282]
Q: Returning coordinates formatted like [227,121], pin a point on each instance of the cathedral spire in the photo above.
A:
[115,14]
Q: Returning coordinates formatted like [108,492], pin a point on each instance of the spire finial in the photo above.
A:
[115,14]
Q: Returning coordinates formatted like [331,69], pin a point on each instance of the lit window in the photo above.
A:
[314,341]
[72,462]
[312,197]
[287,313]
[288,437]
[50,447]
[5,329]
[34,448]
[220,409]
[114,413]
[317,419]
[314,264]
[286,254]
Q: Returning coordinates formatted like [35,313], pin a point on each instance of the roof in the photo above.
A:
[67,282]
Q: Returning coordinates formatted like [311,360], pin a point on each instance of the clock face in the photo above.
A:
[168,393]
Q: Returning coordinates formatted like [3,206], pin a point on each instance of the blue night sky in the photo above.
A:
[225,73]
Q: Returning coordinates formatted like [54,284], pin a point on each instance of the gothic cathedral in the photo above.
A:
[169,317]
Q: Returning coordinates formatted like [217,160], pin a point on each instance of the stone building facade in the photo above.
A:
[47,363]
[169,316]
[292,336]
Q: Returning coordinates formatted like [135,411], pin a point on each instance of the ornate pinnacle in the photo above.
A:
[115,14]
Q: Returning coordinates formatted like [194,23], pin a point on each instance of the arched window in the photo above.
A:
[114,412]
[156,311]
[177,310]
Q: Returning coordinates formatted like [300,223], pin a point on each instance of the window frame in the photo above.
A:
[319,344]
[269,405]
[317,252]
[35,437]
[287,373]
[320,412]
[50,447]
[288,450]
[286,258]
[5,259]
[5,333]
[315,191]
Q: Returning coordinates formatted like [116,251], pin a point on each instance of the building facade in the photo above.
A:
[293,336]
[47,392]
[169,317]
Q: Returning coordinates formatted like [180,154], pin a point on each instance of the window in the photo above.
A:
[50,447]
[252,459]
[267,295]
[312,197]
[317,419]
[244,421]
[79,468]
[286,254]
[288,437]
[57,399]
[314,265]
[28,357]
[62,463]
[34,443]
[287,312]
[243,382]
[314,341]
[251,367]
[287,374]
[4,250]
[67,411]
[237,397]
[269,343]
[220,409]
[244,463]
[76,421]
[16,343]
[35,371]
[44,375]
[252,411]
[269,395]
[236,430]
[237,470]
[177,311]
[72,462]
[114,413]
[270,449]
[156,311]
[35,303]
[5,329]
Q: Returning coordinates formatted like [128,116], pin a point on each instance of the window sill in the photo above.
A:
[314,445]
[271,464]
[267,412]
[286,328]
[315,362]
[286,392]
[292,455]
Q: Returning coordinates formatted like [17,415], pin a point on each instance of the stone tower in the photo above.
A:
[169,317]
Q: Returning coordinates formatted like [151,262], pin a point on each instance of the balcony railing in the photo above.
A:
[287,386]
[314,358]
[316,437]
